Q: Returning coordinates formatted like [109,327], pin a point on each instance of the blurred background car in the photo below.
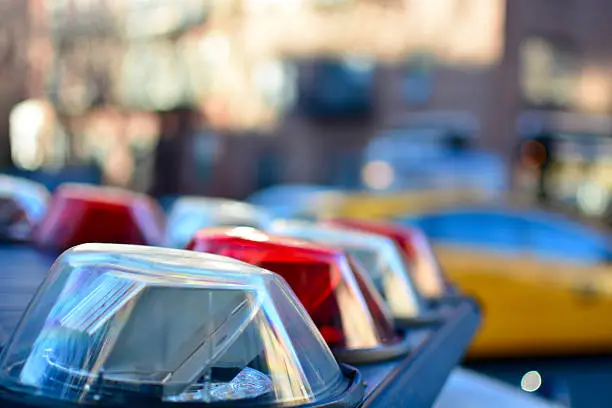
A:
[387,205]
[536,275]
[295,200]
[432,150]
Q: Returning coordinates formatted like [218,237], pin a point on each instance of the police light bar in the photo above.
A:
[380,258]
[23,203]
[338,295]
[81,213]
[427,273]
[189,214]
[125,326]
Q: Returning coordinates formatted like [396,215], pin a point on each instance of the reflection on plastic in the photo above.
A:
[379,256]
[249,383]
[427,272]
[341,299]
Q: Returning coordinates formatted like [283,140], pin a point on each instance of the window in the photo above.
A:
[419,78]
[154,77]
[345,168]
[538,234]
[337,88]
[548,73]
[269,168]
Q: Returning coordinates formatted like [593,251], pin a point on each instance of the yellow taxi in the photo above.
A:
[367,205]
[544,281]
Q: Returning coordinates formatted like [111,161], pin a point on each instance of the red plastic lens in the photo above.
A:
[80,214]
[428,275]
[339,298]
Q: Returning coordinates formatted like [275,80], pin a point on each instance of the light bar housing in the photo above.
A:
[138,326]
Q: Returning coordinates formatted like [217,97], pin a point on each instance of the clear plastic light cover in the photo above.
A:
[120,323]
[426,270]
[23,203]
[82,213]
[379,256]
[339,297]
[189,214]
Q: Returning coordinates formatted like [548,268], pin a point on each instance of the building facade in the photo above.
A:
[14,40]
[264,111]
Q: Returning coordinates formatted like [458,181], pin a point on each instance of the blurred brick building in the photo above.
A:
[14,40]
[544,55]
[25,57]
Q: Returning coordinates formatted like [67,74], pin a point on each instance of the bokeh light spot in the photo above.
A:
[531,381]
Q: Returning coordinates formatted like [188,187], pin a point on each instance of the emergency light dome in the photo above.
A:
[189,214]
[339,297]
[120,325]
[23,203]
[82,213]
[380,258]
[426,271]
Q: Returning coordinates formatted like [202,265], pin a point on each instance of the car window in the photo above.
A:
[474,228]
[537,233]
[558,238]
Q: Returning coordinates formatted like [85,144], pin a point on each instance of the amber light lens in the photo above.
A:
[428,275]
[81,214]
[340,299]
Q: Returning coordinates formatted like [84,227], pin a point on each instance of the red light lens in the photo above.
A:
[81,214]
[339,298]
[428,275]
